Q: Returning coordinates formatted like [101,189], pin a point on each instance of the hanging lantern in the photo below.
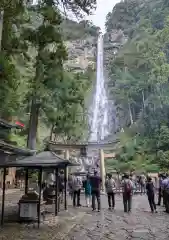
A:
[19,124]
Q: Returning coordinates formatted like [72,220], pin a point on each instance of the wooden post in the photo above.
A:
[40,190]
[67,156]
[3,198]
[56,191]
[102,169]
[26,180]
[65,187]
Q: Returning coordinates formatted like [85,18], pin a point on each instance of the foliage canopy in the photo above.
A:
[140,74]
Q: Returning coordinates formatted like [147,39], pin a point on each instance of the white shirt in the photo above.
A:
[165,183]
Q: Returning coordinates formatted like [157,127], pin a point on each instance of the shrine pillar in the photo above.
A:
[67,156]
[102,168]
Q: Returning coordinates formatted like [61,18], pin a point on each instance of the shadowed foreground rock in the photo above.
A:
[83,224]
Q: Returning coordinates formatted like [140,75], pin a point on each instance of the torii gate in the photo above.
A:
[93,146]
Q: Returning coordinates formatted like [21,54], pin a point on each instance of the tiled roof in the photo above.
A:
[6,124]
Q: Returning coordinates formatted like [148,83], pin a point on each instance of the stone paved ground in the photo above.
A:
[140,224]
[83,224]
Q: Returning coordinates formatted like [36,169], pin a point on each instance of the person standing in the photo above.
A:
[95,182]
[127,189]
[133,179]
[160,189]
[87,187]
[167,195]
[150,188]
[76,188]
[110,189]
[143,183]
[165,191]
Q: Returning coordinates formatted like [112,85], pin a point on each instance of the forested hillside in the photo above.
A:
[139,82]
[37,86]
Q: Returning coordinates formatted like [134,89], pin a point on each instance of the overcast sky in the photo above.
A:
[103,7]
[99,16]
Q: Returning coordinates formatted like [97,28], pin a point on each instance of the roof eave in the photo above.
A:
[8,125]
[16,150]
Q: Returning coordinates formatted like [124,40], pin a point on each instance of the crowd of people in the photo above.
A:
[92,190]
[91,186]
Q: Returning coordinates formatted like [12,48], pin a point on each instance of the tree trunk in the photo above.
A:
[55,137]
[33,124]
[51,132]
[130,114]
[143,99]
[35,107]
[1,26]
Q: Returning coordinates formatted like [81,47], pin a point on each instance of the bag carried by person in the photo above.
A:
[127,187]
[77,183]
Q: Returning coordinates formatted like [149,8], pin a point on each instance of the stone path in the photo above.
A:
[9,191]
[83,224]
[140,224]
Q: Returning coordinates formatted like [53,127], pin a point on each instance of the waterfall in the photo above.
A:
[99,113]
[99,121]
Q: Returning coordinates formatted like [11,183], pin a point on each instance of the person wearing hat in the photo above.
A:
[150,188]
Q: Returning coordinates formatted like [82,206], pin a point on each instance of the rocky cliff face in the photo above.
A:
[120,25]
[81,53]
[113,41]
[81,41]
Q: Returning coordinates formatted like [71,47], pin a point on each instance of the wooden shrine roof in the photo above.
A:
[90,145]
[12,149]
[45,159]
[5,124]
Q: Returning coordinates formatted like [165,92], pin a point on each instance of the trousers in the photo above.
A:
[151,201]
[76,198]
[127,201]
[111,199]
[96,195]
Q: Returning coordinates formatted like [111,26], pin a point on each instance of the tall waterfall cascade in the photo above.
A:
[99,120]
[102,112]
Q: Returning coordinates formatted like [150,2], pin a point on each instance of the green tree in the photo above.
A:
[32,65]
[139,74]
[50,54]
[12,48]
[47,35]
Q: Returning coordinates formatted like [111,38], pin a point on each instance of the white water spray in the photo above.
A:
[99,118]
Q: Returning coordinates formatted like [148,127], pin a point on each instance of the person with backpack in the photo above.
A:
[127,189]
[110,189]
[76,188]
[150,188]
